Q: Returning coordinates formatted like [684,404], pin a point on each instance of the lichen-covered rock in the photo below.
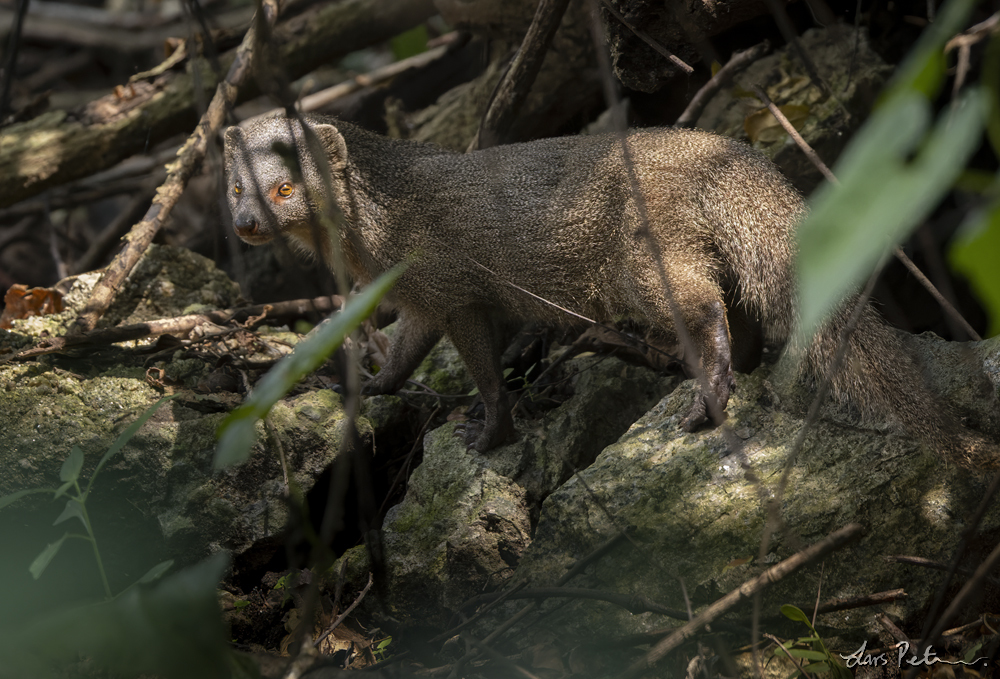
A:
[159,497]
[696,517]
[467,518]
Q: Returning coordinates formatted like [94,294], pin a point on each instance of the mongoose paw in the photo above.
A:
[696,416]
[479,436]
[376,386]
[699,414]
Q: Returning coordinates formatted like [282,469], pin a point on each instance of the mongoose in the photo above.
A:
[492,233]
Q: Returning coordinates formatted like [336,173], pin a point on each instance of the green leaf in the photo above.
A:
[924,67]
[881,197]
[73,509]
[975,253]
[156,572]
[410,43]
[125,437]
[41,561]
[806,654]
[15,496]
[71,467]
[236,433]
[61,490]
[794,613]
[171,630]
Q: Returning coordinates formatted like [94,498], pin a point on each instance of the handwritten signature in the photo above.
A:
[862,657]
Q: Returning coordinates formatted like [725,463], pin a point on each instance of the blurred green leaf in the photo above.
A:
[924,67]
[73,509]
[125,437]
[14,497]
[882,195]
[71,467]
[411,43]
[236,433]
[975,253]
[156,572]
[42,561]
[171,630]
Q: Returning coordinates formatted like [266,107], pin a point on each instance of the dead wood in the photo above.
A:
[180,325]
[188,162]
[60,146]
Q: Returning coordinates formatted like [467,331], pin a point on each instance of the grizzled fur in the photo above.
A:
[556,218]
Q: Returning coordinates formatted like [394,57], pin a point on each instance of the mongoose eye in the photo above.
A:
[237,188]
[285,190]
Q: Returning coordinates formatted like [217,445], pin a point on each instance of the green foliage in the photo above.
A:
[238,431]
[76,505]
[172,629]
[891,175]
[409,44]
[810,650]
[380,651]
[975,253]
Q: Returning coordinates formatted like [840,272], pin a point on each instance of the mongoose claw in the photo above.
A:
[478,435]
[470,432]
[696,416]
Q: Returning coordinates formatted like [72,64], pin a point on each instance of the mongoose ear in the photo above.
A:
[234,135]
[233,142]
[333,142]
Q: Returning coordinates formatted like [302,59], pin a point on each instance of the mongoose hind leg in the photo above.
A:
[477,339]
[700,304]
[413,341]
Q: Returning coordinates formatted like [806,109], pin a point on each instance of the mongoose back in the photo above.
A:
[557,218]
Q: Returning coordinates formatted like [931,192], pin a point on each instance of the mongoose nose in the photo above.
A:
[245,225]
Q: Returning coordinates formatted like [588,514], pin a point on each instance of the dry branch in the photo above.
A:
[61,146]
[744,592]
[179,325]
[188,162]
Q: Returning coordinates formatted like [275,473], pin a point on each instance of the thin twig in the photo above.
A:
[737,62]
[189,161]
[829,544]
[634,604]
[13,47]
[897,251]
[343,616]
[516,82]
[794,134]
[179,325]
[938,566]
[642,35]
[789,656]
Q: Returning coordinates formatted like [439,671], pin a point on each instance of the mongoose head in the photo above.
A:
[280,179]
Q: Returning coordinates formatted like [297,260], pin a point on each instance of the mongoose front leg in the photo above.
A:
[477,339]
[413,341]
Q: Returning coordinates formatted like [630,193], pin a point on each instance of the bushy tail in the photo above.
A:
[878,379]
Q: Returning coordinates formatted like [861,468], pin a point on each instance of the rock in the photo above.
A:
[467,518]
[852,70]
[159,497]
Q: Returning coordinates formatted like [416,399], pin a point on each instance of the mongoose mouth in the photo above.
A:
[256,238]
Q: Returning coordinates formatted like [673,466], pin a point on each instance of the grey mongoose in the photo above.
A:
[491,234]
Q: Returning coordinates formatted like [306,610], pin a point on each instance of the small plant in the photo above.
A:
[76,505]
[809,652]
[381,649]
